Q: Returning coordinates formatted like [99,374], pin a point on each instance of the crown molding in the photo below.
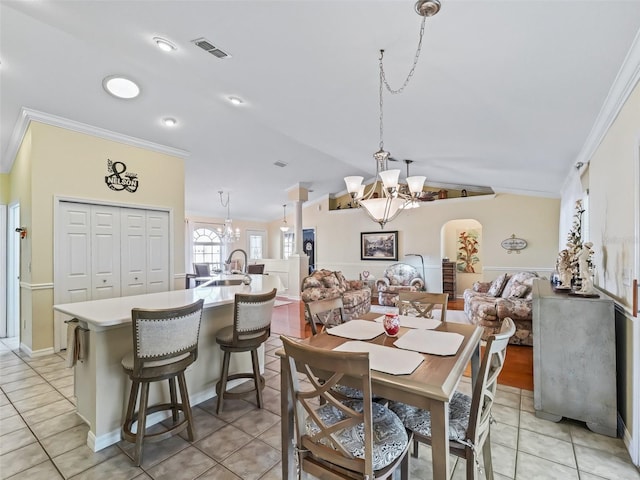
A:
[28,115]
[624,83]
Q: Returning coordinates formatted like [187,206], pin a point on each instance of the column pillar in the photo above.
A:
[298,261]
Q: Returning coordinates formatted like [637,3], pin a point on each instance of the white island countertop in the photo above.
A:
[116,311]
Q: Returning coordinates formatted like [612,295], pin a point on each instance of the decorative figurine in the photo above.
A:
[584,262]
[563,265]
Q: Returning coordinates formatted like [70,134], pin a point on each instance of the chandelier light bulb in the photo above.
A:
[284,227]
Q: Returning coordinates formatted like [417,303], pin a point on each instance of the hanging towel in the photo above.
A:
[72,326]
[76,345]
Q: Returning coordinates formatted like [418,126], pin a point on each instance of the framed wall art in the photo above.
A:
[379,245]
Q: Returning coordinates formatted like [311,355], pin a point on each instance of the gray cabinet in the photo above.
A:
[574,358]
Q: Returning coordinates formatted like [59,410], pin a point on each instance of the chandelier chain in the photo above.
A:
[413,67]
[224,204]
[381,143]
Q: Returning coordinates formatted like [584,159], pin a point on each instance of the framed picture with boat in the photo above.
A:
[379,245]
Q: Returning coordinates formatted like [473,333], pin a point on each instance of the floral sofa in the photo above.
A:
[321,284]
[488,303]
[396,278]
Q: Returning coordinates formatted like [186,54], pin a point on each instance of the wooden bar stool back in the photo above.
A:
[165,343]
[251,328]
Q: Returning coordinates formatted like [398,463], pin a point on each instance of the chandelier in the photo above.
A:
[285,226]
[226,233]
[393,199]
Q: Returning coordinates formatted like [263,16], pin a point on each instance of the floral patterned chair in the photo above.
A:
[397,278]
[488,303]
[321,284]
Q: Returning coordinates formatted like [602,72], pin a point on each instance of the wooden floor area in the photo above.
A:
[517,372]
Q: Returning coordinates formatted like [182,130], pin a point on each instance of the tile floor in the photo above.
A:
[42,438]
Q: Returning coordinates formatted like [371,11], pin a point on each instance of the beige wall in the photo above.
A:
[613,180]
[4,188]
[534,219]
[55,162]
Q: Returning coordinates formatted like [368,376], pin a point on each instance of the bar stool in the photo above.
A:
[251,328]
[165,343]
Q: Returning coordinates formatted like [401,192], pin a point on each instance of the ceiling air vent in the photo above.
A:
[280,163]
[207,46]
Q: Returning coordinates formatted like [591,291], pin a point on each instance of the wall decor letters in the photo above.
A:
[119,179]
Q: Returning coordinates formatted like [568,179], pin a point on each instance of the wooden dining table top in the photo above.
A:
[435,378]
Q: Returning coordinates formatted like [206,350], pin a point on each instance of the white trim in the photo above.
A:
[28,115]
[4,232]
[634,441]
[516,269]
[627,78]
[103,441]
[36,286]
[14,321]
[36,353]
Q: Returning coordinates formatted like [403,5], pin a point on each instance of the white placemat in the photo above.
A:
[357,330]
[429,341]
[385,359]
[415,322]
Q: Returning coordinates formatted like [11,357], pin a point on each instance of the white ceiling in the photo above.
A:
[505,93]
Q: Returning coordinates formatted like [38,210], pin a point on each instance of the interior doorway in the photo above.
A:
[309,247]
[13,272]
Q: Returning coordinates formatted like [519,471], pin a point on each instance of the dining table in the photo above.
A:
[430,386]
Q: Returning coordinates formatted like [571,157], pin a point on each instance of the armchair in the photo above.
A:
[321,284]
[397,278]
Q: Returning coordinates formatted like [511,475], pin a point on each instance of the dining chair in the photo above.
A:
[329,312]
[326,312]
[256,268]
[165,343]
[421,304]
[201,270]
[251,328]
[469,418]
[341,439]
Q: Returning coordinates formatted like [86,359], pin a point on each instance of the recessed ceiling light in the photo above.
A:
[121,87]
[236,100]
[169,122]
[164,45]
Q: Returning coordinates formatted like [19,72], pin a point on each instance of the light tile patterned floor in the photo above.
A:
[42,438]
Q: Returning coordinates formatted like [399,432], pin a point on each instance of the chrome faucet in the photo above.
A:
[246,258]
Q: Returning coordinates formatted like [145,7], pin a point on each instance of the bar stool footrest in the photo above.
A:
[244,393]
[130,436]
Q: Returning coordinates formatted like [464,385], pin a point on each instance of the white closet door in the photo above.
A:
[157,251]
[133,252]
[105,254]
[74,252]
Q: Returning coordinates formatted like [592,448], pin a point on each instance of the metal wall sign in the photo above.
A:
[513,244]
[119,179]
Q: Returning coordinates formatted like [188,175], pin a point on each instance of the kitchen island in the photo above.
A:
[101,386]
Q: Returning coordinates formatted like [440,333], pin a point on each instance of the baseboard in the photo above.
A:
[103,441]
[36,353]
[627,439]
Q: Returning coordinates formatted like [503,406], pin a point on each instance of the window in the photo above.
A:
[207,248]
[256,244]
[288,241]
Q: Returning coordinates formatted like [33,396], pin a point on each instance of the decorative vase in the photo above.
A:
[391,324]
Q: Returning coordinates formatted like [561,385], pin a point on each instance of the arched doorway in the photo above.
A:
[461,242]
